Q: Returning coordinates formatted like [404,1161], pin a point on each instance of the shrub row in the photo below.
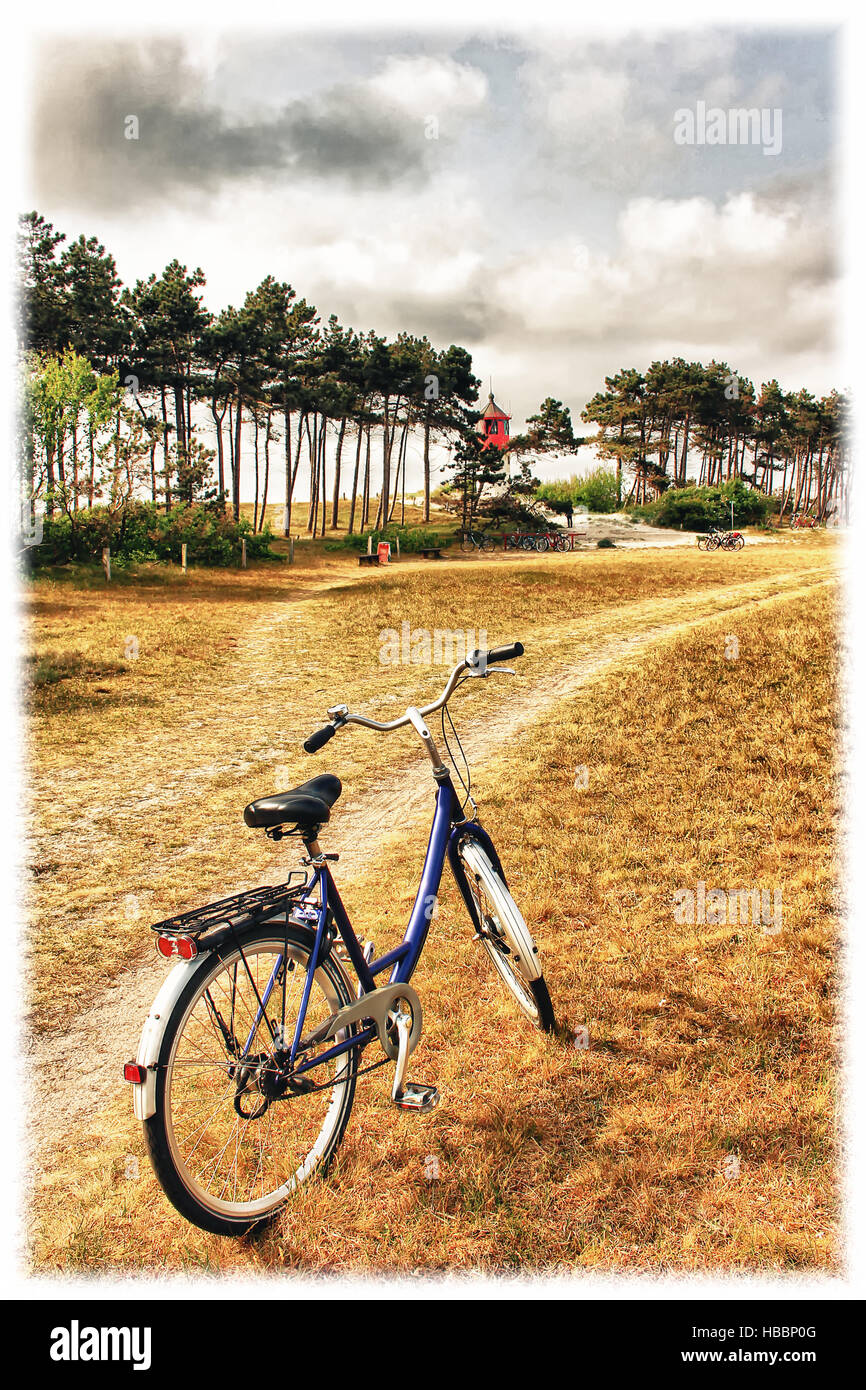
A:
[142,532]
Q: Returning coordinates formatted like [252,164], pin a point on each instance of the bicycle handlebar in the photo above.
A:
[507,653]
[318,739]
[477,663]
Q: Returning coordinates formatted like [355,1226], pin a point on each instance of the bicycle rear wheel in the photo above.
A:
[506,937]
[467,544]
[541,544]
[231,1138]
[488,543]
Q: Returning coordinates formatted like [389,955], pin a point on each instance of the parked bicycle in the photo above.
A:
[716,539]
[246,1070]
[477,540]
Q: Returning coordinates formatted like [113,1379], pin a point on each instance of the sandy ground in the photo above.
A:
[637,535]
[75,1073]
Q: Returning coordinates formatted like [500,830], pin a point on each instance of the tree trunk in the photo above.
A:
[287,418]
[166,457]
[355,478]
[427,467]
[381,511]
[313,441]
[365,512]
[335,510]
[180,420]
[218,429]
[323,488]
[236,460]
[401,463]
[256,455]
[75,466]
[267,470]
[91,481]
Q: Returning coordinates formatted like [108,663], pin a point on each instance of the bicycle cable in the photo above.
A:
[467,784]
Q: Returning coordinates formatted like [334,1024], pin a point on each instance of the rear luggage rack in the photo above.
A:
[241,909]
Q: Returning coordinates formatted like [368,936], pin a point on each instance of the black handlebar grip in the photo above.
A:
[505,653]
[318,739]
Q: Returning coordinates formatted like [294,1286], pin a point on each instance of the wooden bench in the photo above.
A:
[368,559]
[432,553]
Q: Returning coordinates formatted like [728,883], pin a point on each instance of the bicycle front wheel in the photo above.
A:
[506,937]
[232,1138]
[467,544]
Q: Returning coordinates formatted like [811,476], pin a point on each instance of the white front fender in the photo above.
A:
[144,1094]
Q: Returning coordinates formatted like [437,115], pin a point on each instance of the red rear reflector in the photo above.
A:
[134,1073]
[182,946]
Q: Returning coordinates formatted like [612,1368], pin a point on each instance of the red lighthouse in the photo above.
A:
[493,425]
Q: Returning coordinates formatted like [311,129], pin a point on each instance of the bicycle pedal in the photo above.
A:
[420,1098]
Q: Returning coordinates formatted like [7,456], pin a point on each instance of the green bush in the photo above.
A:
[698,508]
[141,532]
[597,492]
[606,543]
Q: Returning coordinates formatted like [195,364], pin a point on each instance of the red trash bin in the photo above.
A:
[383,550]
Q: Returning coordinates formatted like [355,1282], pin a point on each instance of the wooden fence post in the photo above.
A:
[398,547]
[243,554]
[291,550]
[183,557]
[106,562]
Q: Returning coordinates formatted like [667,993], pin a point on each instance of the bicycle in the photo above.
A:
[731,540]
[477,540]
[245,1073]
[716,539]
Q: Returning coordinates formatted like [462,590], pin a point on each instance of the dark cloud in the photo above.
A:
[186,143]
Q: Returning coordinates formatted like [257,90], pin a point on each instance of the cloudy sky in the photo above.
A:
[523,196]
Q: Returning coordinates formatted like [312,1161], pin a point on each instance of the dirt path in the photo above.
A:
[76,1072]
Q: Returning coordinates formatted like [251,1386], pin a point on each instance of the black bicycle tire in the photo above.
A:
[155,1130]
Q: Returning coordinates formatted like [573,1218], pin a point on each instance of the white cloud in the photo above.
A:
[589,100]
[423,86]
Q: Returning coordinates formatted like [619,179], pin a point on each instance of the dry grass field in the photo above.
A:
[632,757]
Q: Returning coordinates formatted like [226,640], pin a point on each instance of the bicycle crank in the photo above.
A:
[407,1094]
[382,1006]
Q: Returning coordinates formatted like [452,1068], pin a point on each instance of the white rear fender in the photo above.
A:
[144,1094]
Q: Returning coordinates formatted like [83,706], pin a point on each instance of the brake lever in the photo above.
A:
[484,671]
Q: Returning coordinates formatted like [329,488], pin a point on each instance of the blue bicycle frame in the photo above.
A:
[448,829]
